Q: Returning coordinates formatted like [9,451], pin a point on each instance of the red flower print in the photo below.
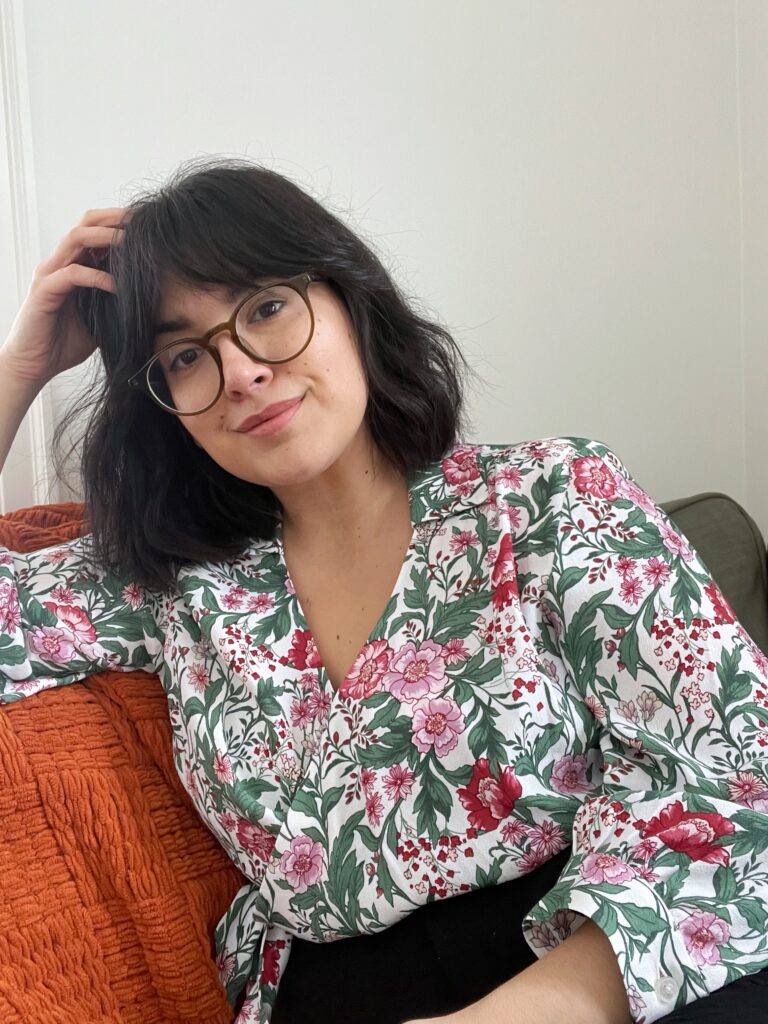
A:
[691,832]
[74,622]
[489,797]
[454,652]
[270,962]
[304,652]
[504,576]
[723,611]
[255,838]
[366,675]
[592,475]
[461,466]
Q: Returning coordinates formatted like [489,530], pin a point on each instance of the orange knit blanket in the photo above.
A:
[110,885]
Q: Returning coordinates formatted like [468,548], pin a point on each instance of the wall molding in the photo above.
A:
[21,199]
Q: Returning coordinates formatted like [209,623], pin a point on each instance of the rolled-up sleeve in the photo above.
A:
[670,853]
[63,618]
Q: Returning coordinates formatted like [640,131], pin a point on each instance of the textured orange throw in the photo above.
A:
[110,885]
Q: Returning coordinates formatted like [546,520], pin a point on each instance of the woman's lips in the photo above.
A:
[275,423]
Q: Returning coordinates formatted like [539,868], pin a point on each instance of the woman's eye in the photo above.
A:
[182,360]
[267,309]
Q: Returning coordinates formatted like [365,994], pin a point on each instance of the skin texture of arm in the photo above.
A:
[579,982]
[16,397]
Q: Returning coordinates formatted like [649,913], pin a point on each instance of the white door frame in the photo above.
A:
[28,472]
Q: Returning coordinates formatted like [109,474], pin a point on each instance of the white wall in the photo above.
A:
[561,182]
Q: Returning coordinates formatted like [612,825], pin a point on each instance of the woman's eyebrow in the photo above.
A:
[181,323]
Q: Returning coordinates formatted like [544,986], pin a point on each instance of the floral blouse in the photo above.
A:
[555,667]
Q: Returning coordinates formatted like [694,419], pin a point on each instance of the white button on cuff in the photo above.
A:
[666,988]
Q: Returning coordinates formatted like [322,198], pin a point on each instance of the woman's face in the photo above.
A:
[327,378]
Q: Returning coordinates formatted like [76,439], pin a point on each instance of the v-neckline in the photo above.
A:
[299,616]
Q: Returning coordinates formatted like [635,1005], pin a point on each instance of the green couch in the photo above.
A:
[732,548]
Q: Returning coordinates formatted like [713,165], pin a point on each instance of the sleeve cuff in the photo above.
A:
[659,975]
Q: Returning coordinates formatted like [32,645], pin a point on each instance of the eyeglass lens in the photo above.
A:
[274,324]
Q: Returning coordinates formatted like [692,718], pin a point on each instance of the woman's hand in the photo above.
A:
[48,335]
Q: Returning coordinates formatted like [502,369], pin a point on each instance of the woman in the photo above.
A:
[400,669]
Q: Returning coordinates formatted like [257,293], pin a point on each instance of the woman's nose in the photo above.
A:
[241,371]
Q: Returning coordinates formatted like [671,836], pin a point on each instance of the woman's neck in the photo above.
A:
[347,504]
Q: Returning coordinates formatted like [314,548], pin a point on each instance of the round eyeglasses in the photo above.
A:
[272,325]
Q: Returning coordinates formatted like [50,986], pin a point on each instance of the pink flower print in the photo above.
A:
[648,704]
[255,838]
[398,782]
[625,566]
[542,936]
[562,922]
[62,594]
[374,808]
[415,671]
[695,696]
[198,677]
[437,722]
[595,707]
[454,652]
[592,475]
[133,596]
[570,774]
[749,789]
[656,572]
[631,590]
[232,600]
[508,478]
[52,644]
[222,768]
[513,832]
[10,613]
[225,965]
[319,704]
[547,838]
[56,555]
[636,1002]
[532,859]
[367,673]
[74,622]
[675,542]
[461,466]
[629,490]
[461,540]
[703,934]
[260,603]
[302,863]
[367,779]
[604,867]
[627,709]
[643,850]
[301,714]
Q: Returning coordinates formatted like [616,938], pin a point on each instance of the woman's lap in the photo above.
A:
[448,954]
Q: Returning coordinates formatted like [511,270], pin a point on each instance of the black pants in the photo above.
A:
[448,954]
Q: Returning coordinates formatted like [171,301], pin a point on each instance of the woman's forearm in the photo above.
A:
[577,983]
[16,396]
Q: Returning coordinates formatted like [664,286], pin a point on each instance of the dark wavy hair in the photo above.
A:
[154,499]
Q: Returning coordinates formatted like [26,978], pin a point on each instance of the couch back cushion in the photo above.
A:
[732,548]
